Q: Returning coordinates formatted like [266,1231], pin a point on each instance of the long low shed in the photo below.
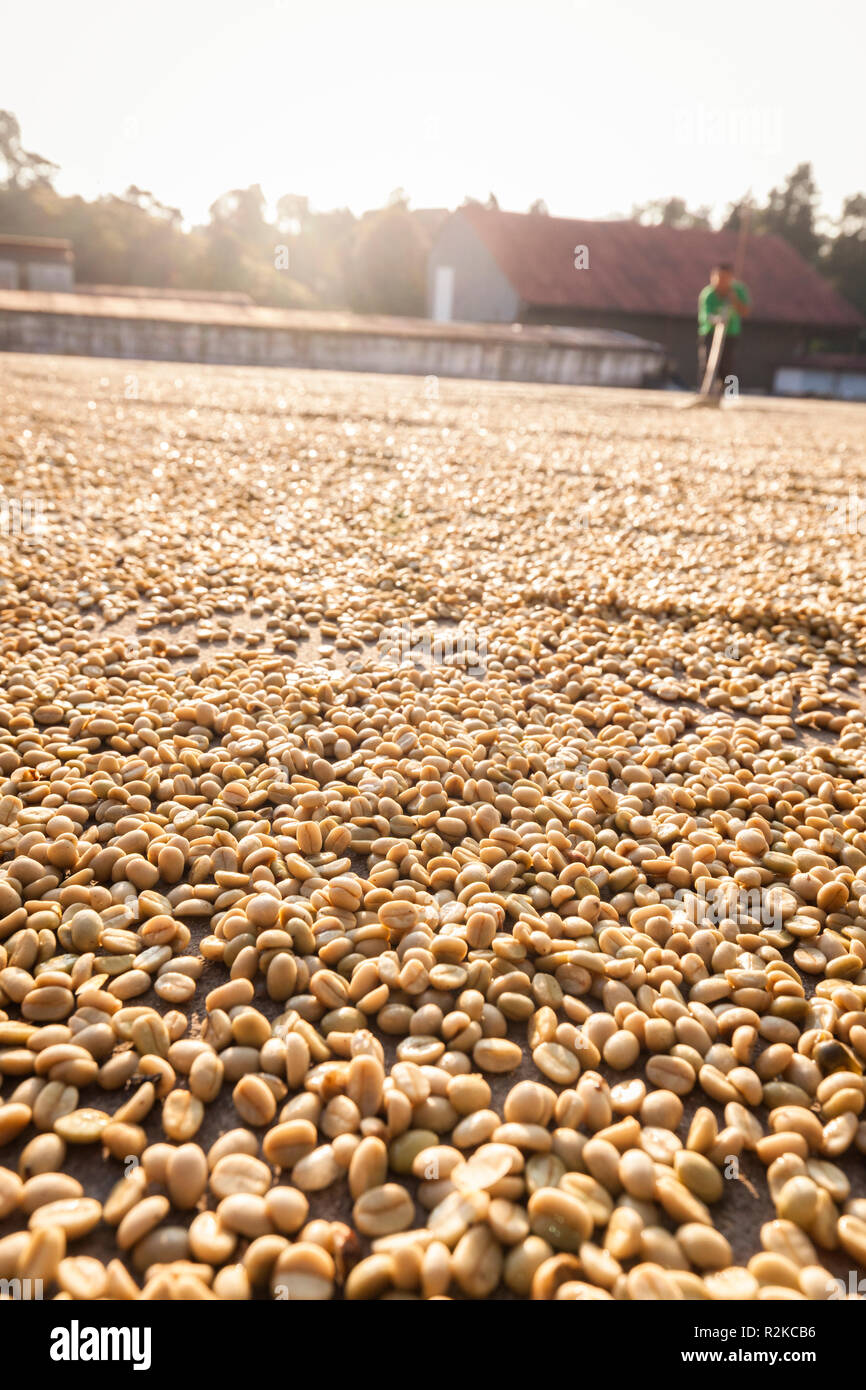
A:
[832,376]
[183,331]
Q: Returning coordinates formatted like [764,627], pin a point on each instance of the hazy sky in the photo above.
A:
[591,104]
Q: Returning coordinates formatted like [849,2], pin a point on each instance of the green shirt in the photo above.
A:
[710,304]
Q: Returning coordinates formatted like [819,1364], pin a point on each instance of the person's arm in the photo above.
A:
[738,298]
[705,319]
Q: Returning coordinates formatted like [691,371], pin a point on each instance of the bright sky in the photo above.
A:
[591,104]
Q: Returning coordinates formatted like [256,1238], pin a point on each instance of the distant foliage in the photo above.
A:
[309,259]
[791,212]
[843,257]
[301,259]
[389,263]
[671,212]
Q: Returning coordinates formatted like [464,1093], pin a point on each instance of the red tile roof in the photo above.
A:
[635,269]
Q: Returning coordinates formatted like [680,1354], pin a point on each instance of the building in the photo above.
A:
[837,377]
[36,263]
[186,330]
[158,292]
[501,267]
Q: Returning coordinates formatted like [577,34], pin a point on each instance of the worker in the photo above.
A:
[724,299]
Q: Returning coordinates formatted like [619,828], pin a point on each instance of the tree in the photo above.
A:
[790,213]
[734,216]
[844,261]
[670,212]
[293,210]
[148,203]
[241,212]
[539,208]
[319,246]
[236,235]
[388,266]
[23,167]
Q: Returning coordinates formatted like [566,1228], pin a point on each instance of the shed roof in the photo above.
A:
[257,316]
[35,248]
[160,292]
[637,269]
[829,362]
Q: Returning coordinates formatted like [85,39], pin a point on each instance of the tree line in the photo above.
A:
[375,263]
[302,258]
[837,249]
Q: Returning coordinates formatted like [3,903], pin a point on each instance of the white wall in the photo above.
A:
[816,381]
[103,336]
[50,276]
[443,294]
